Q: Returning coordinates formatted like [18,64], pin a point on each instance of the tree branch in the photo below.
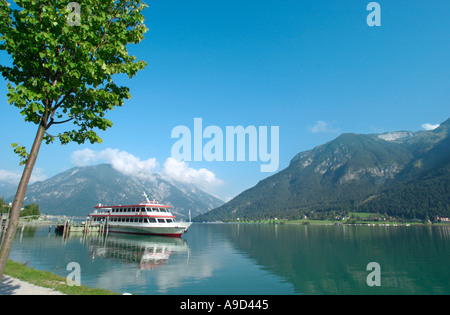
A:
[52,122]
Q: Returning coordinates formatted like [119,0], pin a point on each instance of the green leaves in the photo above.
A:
[21,152]
[63,74]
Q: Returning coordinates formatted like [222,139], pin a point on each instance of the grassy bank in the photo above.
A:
[49,280]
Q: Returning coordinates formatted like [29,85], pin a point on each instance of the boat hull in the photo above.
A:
[175,230]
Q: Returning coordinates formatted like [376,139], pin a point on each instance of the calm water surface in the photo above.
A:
[217,259]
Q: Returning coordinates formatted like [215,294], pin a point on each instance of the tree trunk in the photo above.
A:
[18,201]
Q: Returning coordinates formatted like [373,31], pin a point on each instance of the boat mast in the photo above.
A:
[146,197]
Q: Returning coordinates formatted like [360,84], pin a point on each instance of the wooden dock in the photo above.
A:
[71,227]
[3,223]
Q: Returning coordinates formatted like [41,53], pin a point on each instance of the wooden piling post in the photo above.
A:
[66,228]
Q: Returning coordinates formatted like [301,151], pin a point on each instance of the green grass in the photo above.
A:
[361,214]
[49,280]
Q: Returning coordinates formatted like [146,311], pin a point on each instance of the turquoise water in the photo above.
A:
[242,259]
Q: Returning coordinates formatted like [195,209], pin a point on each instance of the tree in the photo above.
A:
[29,210]
[62,71]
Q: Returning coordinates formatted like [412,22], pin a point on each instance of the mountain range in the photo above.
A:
[76,191]
[404,173]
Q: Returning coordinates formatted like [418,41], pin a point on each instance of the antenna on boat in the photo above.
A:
[146,197]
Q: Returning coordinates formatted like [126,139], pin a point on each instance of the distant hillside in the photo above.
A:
[401,173]
[76,191]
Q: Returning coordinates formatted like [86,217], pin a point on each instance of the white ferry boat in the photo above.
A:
[148,217]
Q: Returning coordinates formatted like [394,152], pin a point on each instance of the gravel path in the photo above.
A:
[12,286]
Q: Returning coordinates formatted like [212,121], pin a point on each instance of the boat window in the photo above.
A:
[161,221]
[169,220]
[152,220]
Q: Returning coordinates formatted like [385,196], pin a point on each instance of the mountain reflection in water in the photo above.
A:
[249,259]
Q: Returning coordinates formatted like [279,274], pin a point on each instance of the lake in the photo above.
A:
[250,259]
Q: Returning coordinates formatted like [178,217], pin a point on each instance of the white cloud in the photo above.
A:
[129,164]
[181,172]
[10,177]
[121,161]
[322,126]
[84,157]
[428,126]
[14,177]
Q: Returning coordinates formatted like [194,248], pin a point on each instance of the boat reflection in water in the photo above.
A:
[148,252]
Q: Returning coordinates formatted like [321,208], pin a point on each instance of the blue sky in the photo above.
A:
[313,68]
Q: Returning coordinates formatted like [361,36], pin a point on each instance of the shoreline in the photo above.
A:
[14,286]
[19,279]
[328,223]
